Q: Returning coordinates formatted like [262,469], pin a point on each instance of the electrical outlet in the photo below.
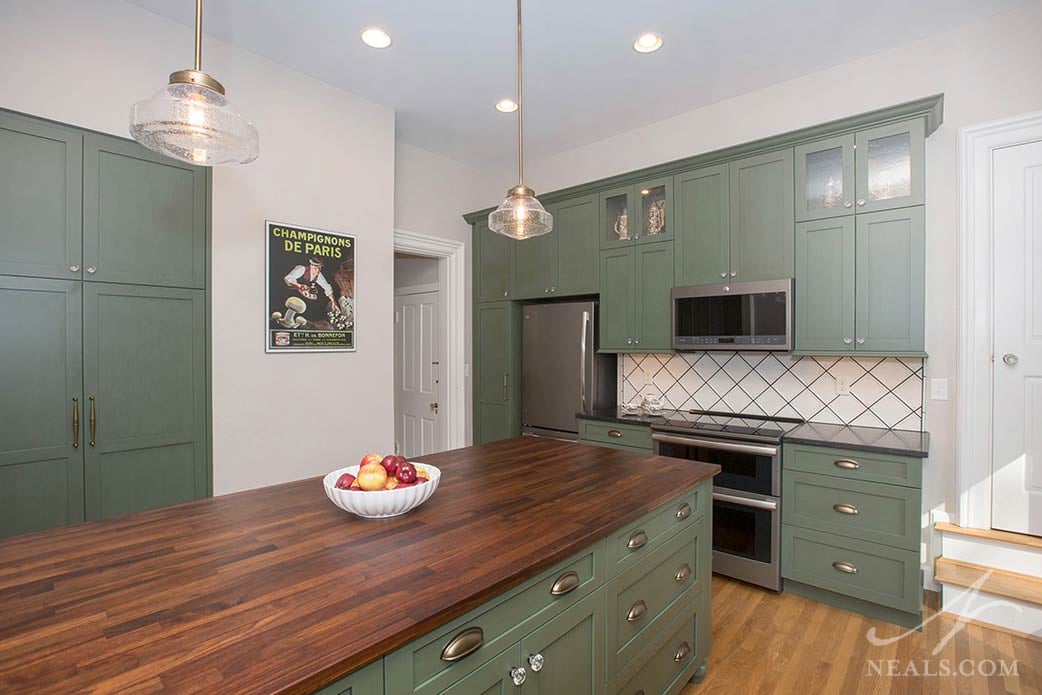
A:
[939,389]
[842,386]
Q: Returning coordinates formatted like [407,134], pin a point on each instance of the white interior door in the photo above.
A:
[417,346]
[1017,418]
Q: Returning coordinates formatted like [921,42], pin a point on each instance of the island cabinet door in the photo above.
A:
[536,266]
[618,287]
[41,412]
[825,285]
[702,246]
[493,264]
[144,216]
[762,217]
[144,380]
[504,674]
[652,306]
[575,226]
[40,196]
[497,358]
[367,681]
[567,654]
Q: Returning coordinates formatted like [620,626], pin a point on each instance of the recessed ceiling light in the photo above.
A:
[506,105]
[646,43]
[376,38]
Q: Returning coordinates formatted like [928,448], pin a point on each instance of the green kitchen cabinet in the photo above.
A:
[762,217]
[40,197]
[617,308]
[825,285]
[144,378]
[637,214]
[366,681]
[568,651]
[493,678]
[144,216]
[634,305]
[41,413]
[497,371]
[536,265]
[702,244]
[891,166]
[493,264]
[575,227]
[825,178]
[890,252]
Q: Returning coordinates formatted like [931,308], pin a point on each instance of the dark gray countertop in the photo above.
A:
[895,442]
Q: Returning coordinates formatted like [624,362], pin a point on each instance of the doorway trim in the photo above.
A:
[454,300]
[976,145]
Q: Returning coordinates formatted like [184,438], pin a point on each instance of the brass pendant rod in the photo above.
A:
[520,107]
[199,35]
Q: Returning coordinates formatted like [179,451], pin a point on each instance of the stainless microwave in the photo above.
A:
[733,316]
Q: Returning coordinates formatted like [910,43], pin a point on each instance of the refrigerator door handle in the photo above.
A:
[582,359]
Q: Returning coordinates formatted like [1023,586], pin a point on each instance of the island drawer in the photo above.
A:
[854,465]
[866,571]
[876,512]
[638,436]
[648,594]
[368,680]
[443,656]
[671,657]
[638,540]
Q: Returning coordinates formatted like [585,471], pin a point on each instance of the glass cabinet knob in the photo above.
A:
[536,662]
[861,202]
[860,341]
[629,341]
[517,675]
[733,273]
[74,268]
[723,275]
[848,341]
[91,269]
[847,204]
[506,292]
[552,290]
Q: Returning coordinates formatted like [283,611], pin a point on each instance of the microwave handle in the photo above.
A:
[769,505]
[717,444]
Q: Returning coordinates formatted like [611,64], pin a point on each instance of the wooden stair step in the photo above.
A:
[1022,587]
[991,535]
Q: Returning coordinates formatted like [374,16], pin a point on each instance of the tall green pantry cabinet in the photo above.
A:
[103,299]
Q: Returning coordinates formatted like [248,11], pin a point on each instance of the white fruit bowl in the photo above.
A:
[380,504]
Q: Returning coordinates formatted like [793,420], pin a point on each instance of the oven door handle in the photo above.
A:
[769,505]
[716,444]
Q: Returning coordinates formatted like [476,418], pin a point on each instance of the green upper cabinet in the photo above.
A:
[616,309]
[42,420]
[762,214]
[825,285]
[575,226]
[536,266]
[493,264]
[144,216]
[634,304]
[891,166]
[497,367]
[890,281]
[636,214]
[825,178]
[144,378]
[40,196]
[702,245]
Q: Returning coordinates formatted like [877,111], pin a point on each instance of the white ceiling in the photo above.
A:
[452,60]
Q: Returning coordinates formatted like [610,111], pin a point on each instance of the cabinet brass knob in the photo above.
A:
[682,652]
[845,567]
[683,511]
[683,573]
[636,612]
[637,540]
[846,509]
[846,463]
[566,583]
[463,644]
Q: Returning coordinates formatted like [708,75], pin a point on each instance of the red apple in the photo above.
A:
[390,463]
[372,476]
[370,458]
[344,482]
[406,473]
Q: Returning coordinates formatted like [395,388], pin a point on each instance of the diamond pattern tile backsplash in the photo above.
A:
[884,392]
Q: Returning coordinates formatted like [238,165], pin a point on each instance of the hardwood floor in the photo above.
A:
[780,643]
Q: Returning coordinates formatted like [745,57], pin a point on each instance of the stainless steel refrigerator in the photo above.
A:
[561,372]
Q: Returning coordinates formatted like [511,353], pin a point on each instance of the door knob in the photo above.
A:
[434,407]
[1010,359]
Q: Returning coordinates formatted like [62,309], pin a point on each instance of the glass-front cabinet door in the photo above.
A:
[618,217]
[825,178]
[654,210]
[890,166]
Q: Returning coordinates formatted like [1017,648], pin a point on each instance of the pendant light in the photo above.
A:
[521,216]
[191,120]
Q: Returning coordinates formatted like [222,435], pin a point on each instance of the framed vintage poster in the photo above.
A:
[311,289]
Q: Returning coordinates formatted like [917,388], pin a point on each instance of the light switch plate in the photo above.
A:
[939,389]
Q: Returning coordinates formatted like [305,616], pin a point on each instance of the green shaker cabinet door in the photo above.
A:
[617,217]
[618,287]
[144,216]
[536,266]
[653,202]
[575,226]
[891,262]
[569,651]
[494,678]
[40,199]
[653,308]
[825,285]
[891,166]
[41,462]
[825,178]
[497,348]
[702,218]
[762,217]
[494,264]
[367,681]
[144,353]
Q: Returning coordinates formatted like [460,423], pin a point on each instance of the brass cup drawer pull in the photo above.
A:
[845,567]
[637,612]
[614,433]
[846,463]
[638,539]
[566,583]
[683,511]
[463,644]
[683,651]
[846,509]
[683,573]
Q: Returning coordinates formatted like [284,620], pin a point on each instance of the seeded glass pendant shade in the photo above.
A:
[191,120]
[521,216]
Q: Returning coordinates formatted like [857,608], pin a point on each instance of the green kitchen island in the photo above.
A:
[538,567]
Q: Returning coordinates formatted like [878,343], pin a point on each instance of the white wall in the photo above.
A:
[988,70]
[410,271]
[327,160]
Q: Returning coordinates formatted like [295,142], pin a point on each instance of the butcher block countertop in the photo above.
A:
[276,590]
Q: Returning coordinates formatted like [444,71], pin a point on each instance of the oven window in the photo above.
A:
[738,471]
[742,531]
[760,314]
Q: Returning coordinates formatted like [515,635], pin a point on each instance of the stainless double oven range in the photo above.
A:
[746,493]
